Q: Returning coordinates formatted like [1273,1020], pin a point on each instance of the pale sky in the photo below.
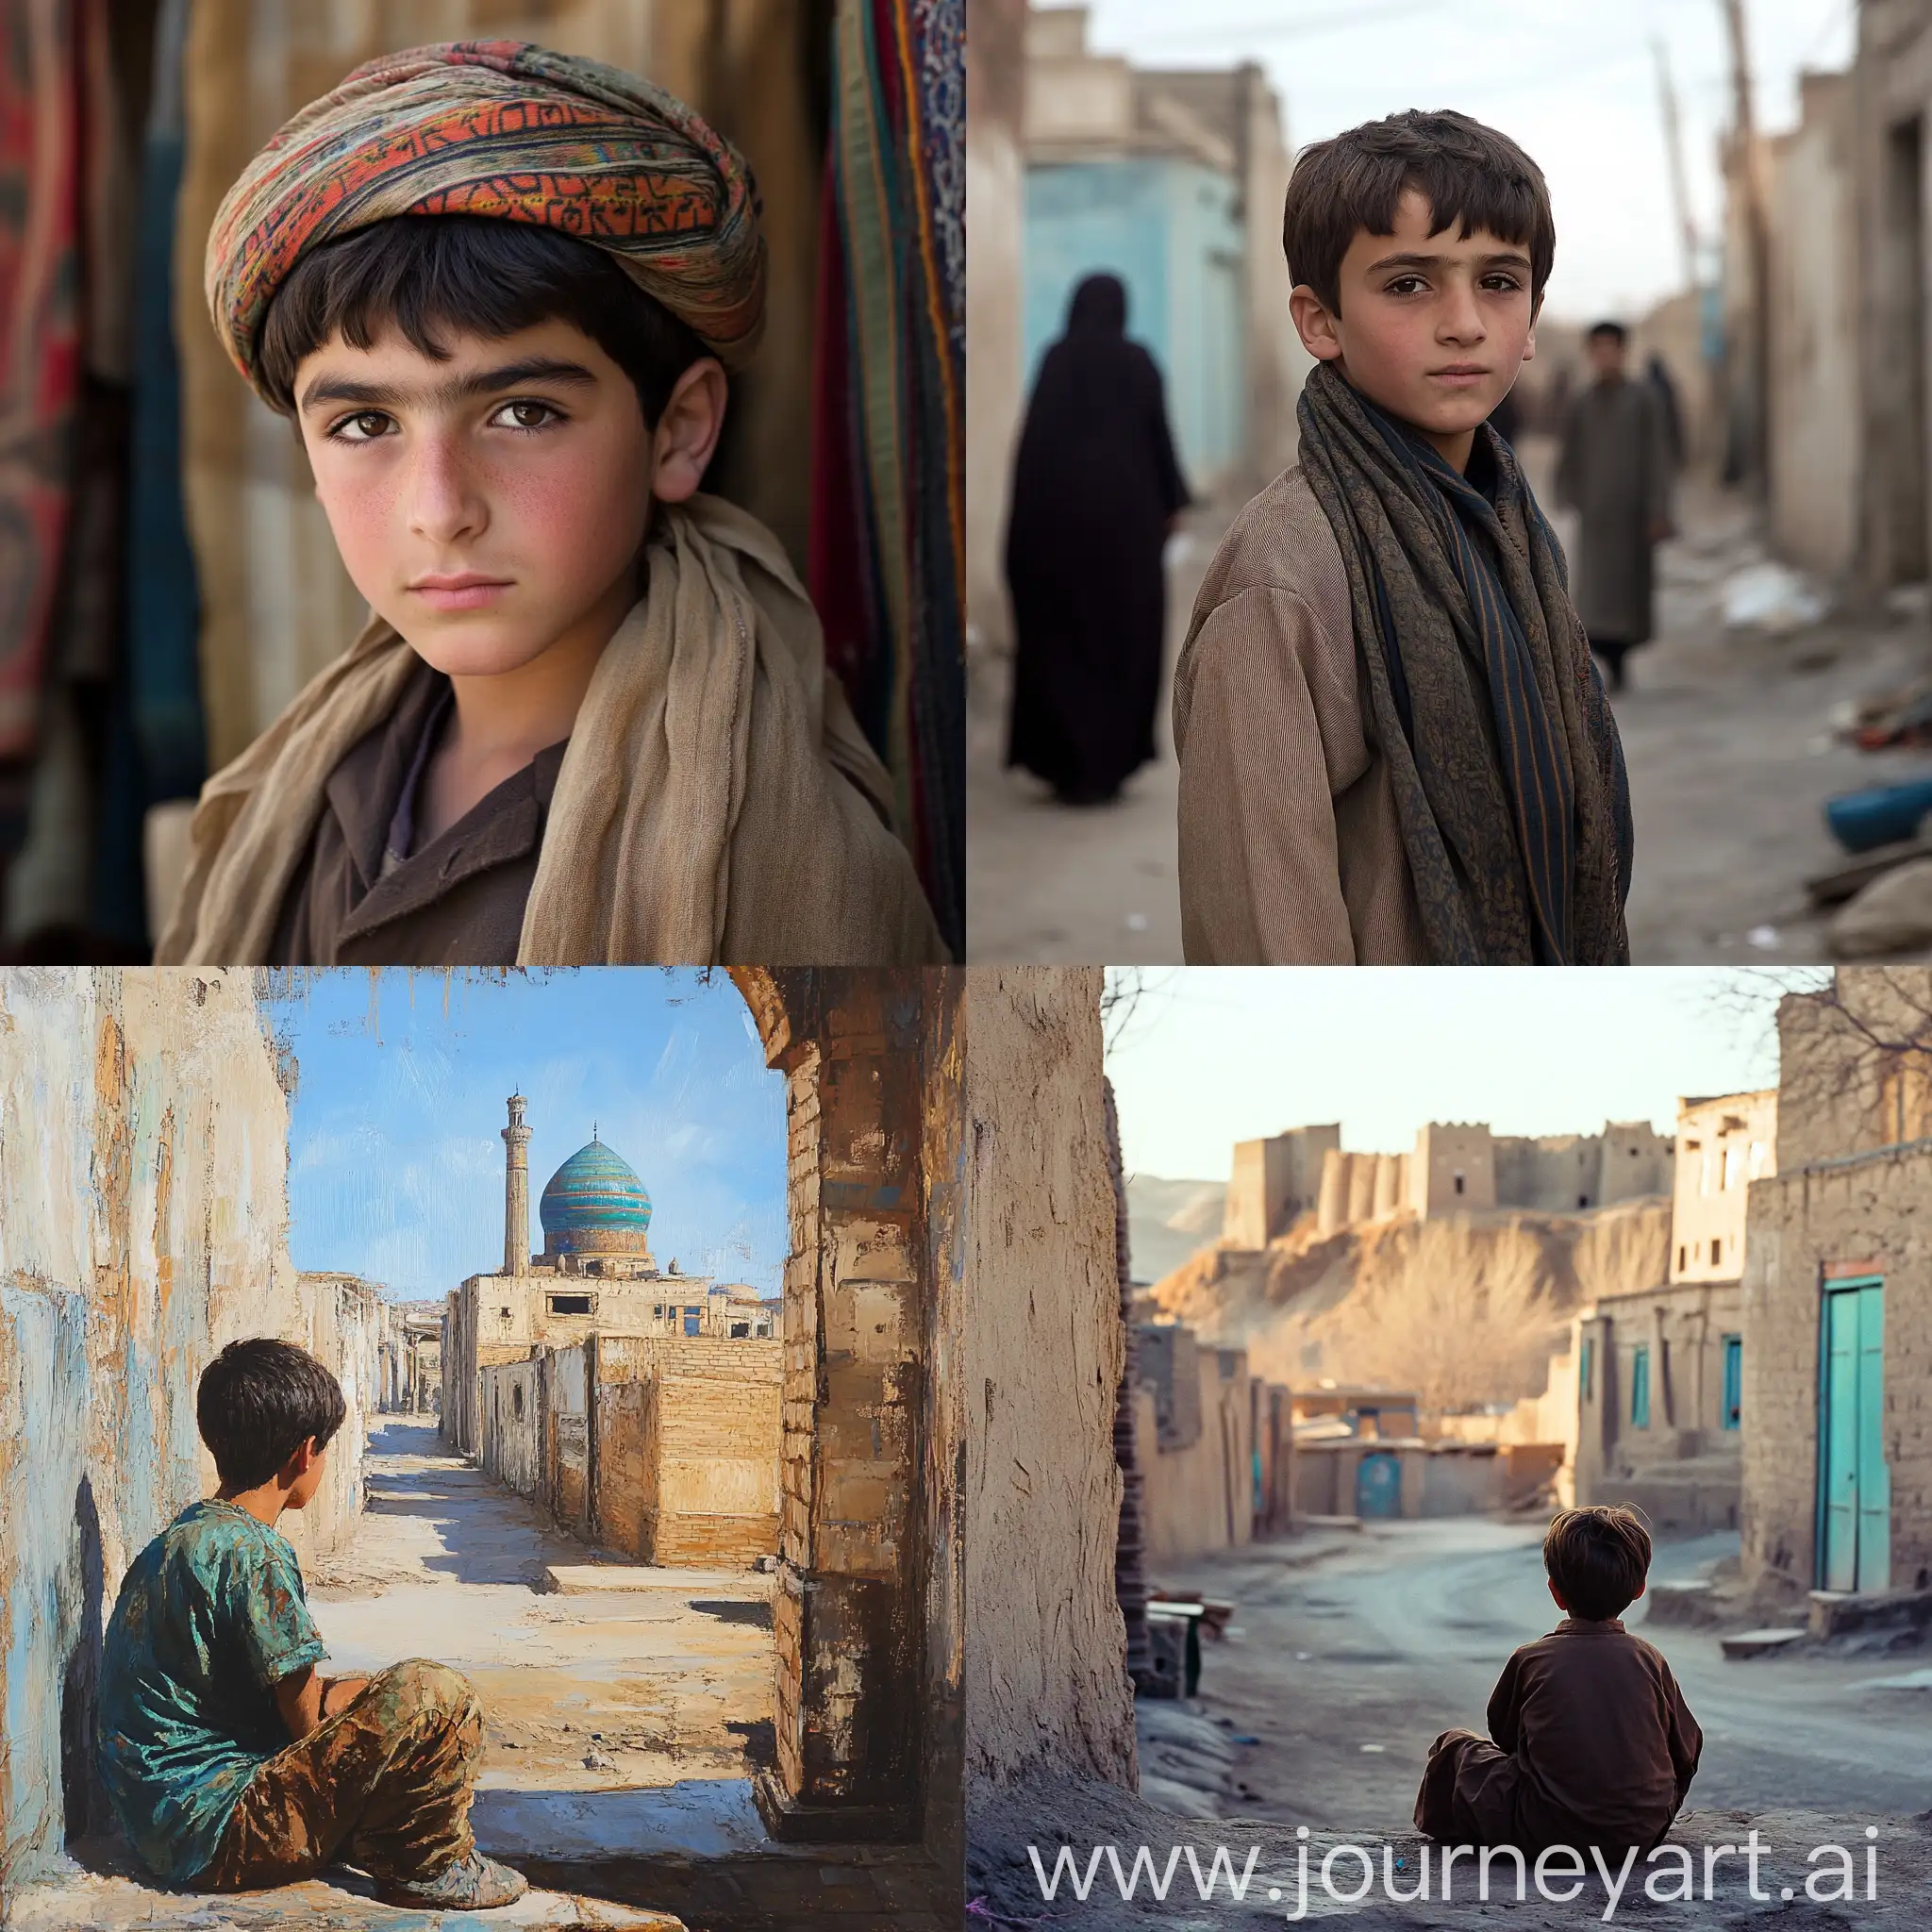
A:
[1216,1055]
[1573,80]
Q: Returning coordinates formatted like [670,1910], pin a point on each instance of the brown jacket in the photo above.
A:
[1290,853]
[456,900]
[1605,1742]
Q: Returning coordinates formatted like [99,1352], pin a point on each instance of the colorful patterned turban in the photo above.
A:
[513,131]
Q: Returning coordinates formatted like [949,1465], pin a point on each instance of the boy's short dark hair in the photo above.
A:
[1615,330]
[259,1401]
[1598,1559]
[433,274]
[1472,177]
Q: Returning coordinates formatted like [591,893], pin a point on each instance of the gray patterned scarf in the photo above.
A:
[1508,774]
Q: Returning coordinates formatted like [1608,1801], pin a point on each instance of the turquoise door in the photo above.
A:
[1734,1381]
[1855,1484]
[1378,1485]
[1640,1387]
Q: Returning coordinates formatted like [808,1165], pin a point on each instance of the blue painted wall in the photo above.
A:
[48,1556]
[1168,229]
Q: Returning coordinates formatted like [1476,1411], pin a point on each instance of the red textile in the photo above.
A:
[39,335]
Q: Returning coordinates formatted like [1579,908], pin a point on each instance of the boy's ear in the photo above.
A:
[301,1459]
[687,435]
[1314,323]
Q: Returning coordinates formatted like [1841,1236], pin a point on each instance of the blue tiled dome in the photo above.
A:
[595,1204]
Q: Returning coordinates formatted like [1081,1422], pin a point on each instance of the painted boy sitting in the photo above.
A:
[232,1762]
[497,288]
[1594,1742]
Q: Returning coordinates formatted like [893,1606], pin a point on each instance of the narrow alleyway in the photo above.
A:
[625,1710]
[1727,735]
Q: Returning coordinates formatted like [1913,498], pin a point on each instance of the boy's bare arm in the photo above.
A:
[306,1698]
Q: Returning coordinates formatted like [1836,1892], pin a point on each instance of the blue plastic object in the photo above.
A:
[1881,816]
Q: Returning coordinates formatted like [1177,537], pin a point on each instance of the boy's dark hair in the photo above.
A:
[1613,329]
[259,1401]
[434,275]
[1472,177]
[1598,1559]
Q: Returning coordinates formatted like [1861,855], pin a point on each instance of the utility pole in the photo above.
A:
[1746,173]
[1674,147]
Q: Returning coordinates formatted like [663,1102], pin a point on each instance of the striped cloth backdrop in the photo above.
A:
[888,536]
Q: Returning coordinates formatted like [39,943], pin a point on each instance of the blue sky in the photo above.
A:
[1216,1055]
[1575,81]
[395,1159]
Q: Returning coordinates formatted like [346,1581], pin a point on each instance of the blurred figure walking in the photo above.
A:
[1096,490]
[1616,472]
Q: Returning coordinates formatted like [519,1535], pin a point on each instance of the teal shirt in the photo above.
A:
[212,1616]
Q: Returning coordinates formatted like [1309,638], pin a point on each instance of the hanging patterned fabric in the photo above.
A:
[887,537]
[39,344]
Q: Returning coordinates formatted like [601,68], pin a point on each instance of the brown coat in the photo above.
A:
[1594,1744]
[1290,853]
[457,900]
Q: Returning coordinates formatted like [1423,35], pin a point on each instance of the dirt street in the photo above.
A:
[1726,735]
[1348,1665]
[1354,1650]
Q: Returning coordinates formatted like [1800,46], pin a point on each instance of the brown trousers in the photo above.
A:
[386,1783]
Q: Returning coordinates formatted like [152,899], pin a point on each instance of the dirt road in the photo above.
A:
[1347,1666]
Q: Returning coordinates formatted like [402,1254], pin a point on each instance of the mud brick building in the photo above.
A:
[666,1448]
[1837,1301]
[596,1276]
[1659,1371]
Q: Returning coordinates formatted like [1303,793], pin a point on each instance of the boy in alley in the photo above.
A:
[1591,1741]
[232,1762]
[496,290]
[1394,746]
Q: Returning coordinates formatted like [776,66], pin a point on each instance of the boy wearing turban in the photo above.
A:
[497,290]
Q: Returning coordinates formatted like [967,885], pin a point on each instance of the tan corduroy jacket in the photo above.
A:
[1290,853]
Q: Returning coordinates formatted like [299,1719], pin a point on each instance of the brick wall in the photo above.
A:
[688,1446]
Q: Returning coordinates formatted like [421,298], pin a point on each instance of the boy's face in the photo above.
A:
[490,505]
[1432,327]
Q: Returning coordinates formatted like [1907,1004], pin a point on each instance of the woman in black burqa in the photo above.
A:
[1096,488]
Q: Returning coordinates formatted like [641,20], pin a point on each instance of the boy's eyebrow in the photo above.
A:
[455,389]
[1513,258]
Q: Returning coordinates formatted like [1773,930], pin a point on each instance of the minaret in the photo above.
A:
[516,1192]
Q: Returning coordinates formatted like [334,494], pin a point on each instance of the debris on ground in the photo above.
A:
[1892,914]
[1773,598]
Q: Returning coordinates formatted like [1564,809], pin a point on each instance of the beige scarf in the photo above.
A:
[717,803]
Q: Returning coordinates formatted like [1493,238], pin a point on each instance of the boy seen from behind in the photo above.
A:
[1591,1741]
[232,1762]
[1395,748]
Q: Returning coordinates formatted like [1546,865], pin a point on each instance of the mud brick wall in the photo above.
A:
[1046,1682]
[143,1164]
[1867,1214]
[687,1441]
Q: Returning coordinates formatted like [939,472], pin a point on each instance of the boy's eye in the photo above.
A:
[1405,285]
[366,425]
[527,415]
